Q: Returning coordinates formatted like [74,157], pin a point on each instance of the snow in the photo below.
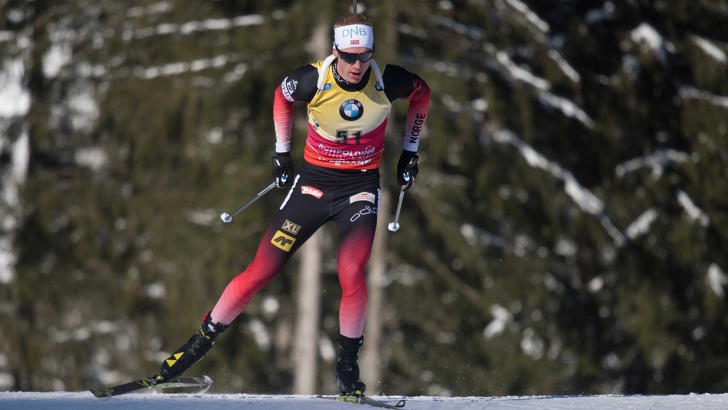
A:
[585,199]
[647,36]
[502,317]
[154,9]
[15,101]
[10,184]
[564,66]
[693,93]
[694,213]
[568,108]
[173,69]
[529,15]
[656,161]
[93,158]
[710,49]
[478,237]
[195,401]
[642,224]
[548,99]
[192,27]
[716,279]
[84,111]
[6,36]
[606,13]
[521,74]
[56,58]
[14,98]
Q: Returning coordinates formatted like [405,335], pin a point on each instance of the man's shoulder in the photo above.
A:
[395,70]
[300,85]
[398,81]
[306,71]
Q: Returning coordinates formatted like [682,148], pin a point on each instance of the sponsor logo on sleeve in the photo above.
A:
[283,241]
[288,87]
[291,227]
[309,190]
[363,196]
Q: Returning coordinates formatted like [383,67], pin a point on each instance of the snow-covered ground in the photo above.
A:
[184,401]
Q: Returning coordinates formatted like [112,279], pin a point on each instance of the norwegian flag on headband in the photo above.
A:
[352,42]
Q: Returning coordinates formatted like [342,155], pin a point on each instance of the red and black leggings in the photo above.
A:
[318,195]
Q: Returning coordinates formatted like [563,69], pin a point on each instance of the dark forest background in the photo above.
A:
[566,234]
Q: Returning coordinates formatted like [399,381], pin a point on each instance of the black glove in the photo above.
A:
[282,169]
[407,169]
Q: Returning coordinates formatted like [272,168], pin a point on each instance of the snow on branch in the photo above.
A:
[694,213]
[584,199]
[647,37]
[716,279]
[564,66]
[14,98]
[193,27]
[183,67]
[518,73]
[642,224]
[710,49]
[6,36]
[657,161]
[569,108]
[529,15]
[695,94]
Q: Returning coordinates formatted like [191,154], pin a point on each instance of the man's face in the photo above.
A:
[352,72]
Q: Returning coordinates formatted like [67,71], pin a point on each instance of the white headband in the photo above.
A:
[355,35]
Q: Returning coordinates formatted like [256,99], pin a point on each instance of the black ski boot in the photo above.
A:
[193,351]
[347,368]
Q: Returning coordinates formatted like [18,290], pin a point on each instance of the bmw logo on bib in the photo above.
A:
[351,110]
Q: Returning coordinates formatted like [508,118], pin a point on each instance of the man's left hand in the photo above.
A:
[407,169]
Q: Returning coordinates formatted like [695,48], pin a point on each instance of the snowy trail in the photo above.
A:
[178,401]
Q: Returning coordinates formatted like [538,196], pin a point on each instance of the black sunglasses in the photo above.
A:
[351,58]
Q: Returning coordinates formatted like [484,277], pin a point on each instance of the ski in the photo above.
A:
[151,382]
[365,400]
[362,399]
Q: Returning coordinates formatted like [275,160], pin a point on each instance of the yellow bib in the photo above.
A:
[346,128]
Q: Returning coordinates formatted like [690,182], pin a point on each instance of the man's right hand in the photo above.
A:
[282,169]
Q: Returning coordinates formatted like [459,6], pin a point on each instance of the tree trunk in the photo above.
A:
[305,342]
[371,354]
[370,368]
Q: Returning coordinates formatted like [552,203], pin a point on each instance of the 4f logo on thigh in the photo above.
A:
[283,241]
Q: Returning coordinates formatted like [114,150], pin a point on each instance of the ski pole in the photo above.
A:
[394,225]
[227,218]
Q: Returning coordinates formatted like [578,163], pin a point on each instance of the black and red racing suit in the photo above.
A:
[338,180]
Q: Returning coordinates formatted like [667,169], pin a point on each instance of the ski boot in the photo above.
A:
[347,368]
[193,351]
